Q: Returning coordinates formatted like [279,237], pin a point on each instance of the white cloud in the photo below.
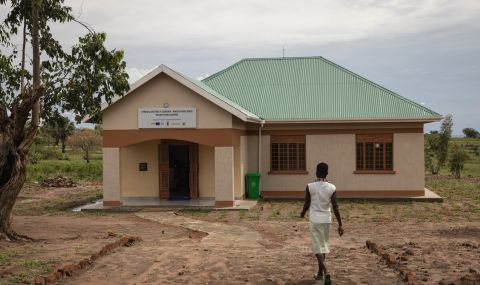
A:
[137,73]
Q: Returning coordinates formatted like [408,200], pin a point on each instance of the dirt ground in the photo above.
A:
[438,241]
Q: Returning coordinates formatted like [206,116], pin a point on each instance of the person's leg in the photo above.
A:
[322,268]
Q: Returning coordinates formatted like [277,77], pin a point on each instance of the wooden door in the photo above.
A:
[163,171]
[193,157]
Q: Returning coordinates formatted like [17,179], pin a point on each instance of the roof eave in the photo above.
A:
[359,120]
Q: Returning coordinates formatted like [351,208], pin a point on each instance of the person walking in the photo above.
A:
[321,198]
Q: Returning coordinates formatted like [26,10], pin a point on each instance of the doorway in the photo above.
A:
[179,165]
[178,170]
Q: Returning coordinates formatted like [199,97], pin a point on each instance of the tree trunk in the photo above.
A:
[87,156]
[14,144]
[8,195]
[63,146]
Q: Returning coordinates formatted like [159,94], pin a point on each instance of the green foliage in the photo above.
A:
[458,158]
[78,79]
[59,128]
[436,146]
[471,133]
[77,170]
[87,141]
[40,152]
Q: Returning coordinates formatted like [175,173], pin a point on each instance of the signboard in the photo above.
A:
[167,118]
[142,166]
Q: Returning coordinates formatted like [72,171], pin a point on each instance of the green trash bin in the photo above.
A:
[253,185]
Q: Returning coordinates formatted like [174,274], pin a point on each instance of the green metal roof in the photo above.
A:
[310,88]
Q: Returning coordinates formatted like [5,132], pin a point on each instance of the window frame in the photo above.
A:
[384,139]
[288,139]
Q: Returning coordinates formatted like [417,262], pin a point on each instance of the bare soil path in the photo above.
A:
[234,254]
[218,234]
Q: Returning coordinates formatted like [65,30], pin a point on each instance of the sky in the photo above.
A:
[427,51]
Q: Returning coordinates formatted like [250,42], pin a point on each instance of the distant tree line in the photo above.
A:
[437,154]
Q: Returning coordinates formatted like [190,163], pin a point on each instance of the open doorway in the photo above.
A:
[178,170]
[179,178]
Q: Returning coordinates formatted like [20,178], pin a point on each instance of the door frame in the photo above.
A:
[164,168]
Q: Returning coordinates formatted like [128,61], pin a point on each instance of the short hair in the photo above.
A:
[322,169]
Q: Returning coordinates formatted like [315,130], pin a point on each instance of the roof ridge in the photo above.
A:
[285,57]
[392,93]
[221,71]
[254,59]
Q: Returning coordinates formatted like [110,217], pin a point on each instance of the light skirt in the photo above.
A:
[320,235]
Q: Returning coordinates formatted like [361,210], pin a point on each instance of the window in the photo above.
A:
[374,153]
[287,154]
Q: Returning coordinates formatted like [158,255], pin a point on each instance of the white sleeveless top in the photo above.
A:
[320,205]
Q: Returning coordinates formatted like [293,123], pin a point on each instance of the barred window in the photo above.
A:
[374,153]
[287,154]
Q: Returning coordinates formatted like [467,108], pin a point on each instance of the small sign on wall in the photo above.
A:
[167,118]
[142,166]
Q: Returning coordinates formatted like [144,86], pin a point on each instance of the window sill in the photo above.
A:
[374,172]
[302,172]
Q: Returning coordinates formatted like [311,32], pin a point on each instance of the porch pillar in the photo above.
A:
[111,176]
[224,177]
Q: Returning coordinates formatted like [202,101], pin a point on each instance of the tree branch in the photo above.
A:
[90,29]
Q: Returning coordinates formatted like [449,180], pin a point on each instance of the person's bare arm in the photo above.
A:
[336,211]
[306,204]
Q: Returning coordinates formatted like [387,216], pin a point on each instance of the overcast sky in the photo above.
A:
[428,51]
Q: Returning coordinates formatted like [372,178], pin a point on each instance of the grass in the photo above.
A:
[6,257]
[39,266]
[61,202]
[461,203]
[71,164]
[32,267]
[77,170]
[472,166]
[194,212]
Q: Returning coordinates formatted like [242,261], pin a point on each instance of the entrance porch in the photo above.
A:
[172,173]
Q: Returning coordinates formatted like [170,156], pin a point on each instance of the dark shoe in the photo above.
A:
[318,277]
[328,280]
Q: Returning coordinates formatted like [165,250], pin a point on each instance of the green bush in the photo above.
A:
[458,158]
[75,169]
[34,156]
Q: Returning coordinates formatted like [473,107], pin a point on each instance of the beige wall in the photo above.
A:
[137,183]
[155,93]
[238,171]
[111,174]
[244,169]
[206,171]
[238,124]
[339,152]
[224,174]
[252,154]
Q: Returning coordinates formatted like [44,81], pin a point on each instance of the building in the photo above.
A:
[173,137]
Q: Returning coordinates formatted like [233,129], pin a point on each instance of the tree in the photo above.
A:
[60,128]
[436,146]
[471,133]
[76,80]
[85,140]
[458,157]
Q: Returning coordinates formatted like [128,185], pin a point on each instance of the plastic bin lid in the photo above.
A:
[253,174]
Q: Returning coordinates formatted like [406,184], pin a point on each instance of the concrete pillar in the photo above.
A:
[111,176]
[224,177]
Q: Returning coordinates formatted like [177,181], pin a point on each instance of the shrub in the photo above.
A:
[458,158]
[471,133]
[85,140]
